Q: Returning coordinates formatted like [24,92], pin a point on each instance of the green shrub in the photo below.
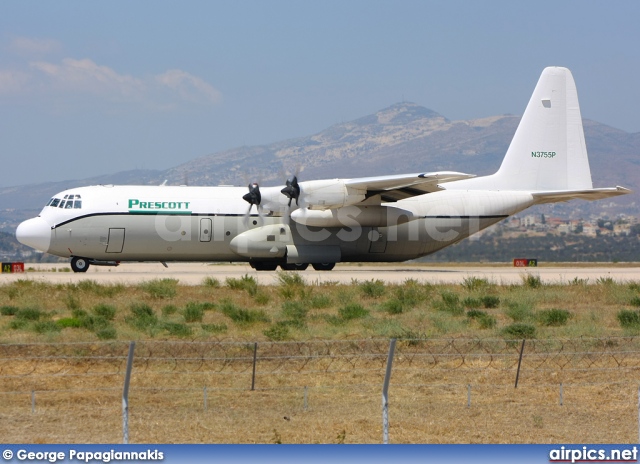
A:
[160,288]
[107,333]
[410,293]
[242,316]
[606,281]
[193,312]
[519,312]
[72,302]
[531,281]
[484,320]
[372,288]
[104,310]
[487,321]
[143,318]
[246,282]
[94,323]
[42,327]
[211,282]
[177,329]
[629,319]
[29,314]
[291,279]
[142,310]
[635,301]
[8,310]
[261,298]
[450,303]
[168,310]
[320,301]
[352,311]
[393,306]
[553,317]
[518,331]
[475,283]
[490,301]
[79,313]
[214,328]
[470,302]
[18,324]
[294,310]
[277,332]
[71,322]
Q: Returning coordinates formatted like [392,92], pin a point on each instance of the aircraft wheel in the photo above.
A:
[79,264]
[264,266]
[294,267]
[323,266]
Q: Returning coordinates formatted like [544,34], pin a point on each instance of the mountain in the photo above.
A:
[402,138]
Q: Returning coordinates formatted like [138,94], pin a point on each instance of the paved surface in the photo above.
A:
[194,273]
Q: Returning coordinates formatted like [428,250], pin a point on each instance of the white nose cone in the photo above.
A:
[35,233]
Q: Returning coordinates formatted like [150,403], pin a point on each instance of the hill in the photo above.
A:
[404,137]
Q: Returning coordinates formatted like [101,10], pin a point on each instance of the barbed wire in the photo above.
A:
[317,356]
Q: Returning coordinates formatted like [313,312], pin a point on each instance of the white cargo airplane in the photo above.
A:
[322,222]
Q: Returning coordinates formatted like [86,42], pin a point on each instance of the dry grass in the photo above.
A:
[78,399]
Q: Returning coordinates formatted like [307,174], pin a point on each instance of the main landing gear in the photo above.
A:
[273,265]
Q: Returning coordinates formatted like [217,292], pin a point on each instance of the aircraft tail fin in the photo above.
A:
[548,151]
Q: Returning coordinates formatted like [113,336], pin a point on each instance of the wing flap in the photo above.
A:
[402,186]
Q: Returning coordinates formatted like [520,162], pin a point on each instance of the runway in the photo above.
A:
[195,273]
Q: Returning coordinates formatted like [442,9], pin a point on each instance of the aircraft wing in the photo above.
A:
[399,187]
[589,195]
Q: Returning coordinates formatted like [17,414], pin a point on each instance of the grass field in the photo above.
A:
[78,400]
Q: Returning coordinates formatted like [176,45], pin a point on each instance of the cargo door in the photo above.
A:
[205,230]
[378,241]
[115,242]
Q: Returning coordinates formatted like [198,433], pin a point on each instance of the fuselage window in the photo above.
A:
[61,205]
[69,204]
[55,202]
[77,204]
[50,201]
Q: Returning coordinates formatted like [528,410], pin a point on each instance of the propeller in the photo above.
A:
[292,190]
[253,198]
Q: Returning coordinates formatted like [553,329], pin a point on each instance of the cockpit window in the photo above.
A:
[69,202]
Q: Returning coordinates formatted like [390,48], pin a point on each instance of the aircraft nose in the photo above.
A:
[35,233]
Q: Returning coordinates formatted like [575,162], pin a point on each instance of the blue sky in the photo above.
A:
[98,87]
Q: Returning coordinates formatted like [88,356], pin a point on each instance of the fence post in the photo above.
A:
[253,374]
[468,395]
[520,362]
[205,397]
[33,401]
[561,395]
[306,403]
[385,394]
[125,396]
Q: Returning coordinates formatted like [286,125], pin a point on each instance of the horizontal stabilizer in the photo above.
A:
[589,194]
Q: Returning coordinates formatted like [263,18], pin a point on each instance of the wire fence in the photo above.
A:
[230,391]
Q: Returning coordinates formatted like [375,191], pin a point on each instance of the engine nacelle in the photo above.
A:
[263,242]
[328,194]
[314,194]
[351,216]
